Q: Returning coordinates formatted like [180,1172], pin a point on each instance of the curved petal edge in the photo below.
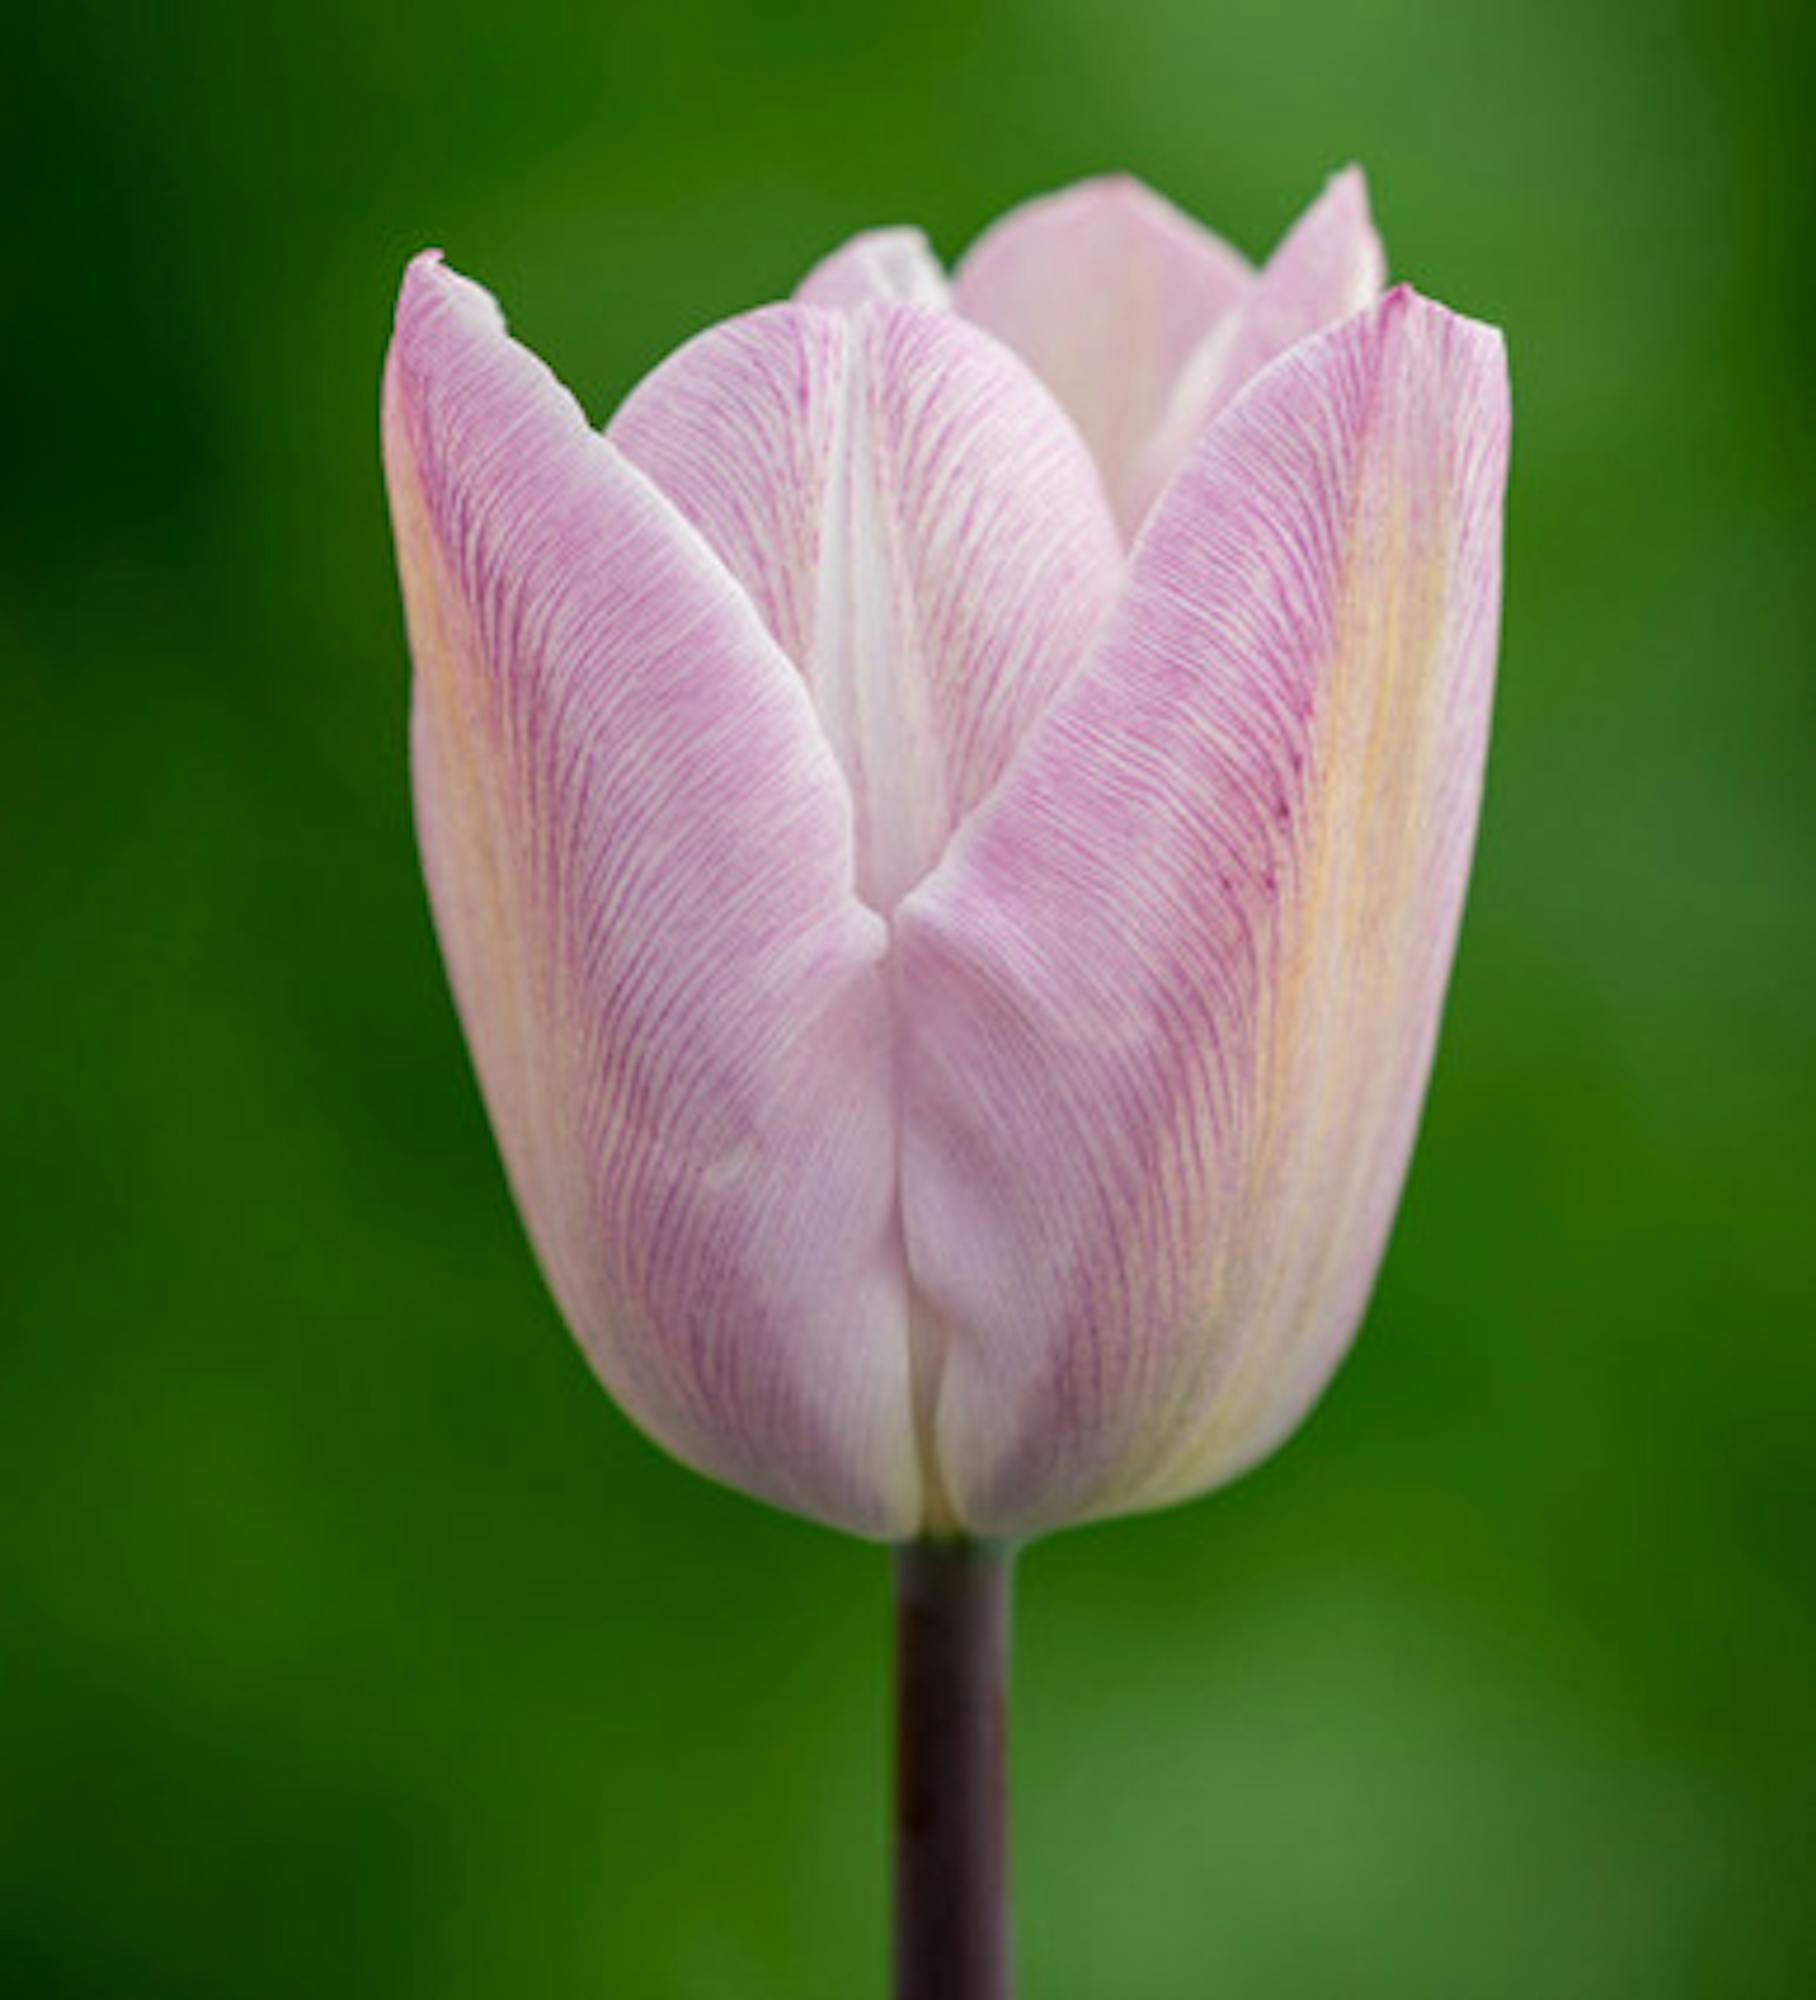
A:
[1171,999]
[893,266]
[639,857]
[1106,290]
[1328,265]
[920,528]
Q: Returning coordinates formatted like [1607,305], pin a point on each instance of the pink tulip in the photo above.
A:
[947,825]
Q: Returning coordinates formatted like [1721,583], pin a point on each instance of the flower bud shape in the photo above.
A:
[947,823]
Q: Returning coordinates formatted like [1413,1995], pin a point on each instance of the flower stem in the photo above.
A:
[951,1854]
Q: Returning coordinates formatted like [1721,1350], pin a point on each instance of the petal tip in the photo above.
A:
[432,288]
[1405,302]
[1350,184]
[1337,232]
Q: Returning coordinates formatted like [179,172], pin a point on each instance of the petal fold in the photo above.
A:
[639,856]
[920,528]
[1171,999]
[1106,290]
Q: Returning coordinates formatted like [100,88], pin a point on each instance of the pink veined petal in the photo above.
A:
[639,858]
[1330,264]
[879,267]
[1170,1001]
[1106,291]
[920,528]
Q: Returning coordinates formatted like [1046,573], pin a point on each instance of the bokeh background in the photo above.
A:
[350,1643]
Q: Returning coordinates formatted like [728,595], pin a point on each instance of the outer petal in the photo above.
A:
[920,527]
[1106,291]
[1173,995]
[639,858]
[880,267]
[1329,265]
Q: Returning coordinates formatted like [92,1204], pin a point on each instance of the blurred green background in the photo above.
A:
[350,1643]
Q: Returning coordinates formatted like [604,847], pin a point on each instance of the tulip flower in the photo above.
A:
[947,823]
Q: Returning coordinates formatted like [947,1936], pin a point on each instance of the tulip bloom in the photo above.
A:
[947,824]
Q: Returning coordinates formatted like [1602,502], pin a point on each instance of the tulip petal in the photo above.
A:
[879,267]
[1171,999]
[1330,264]
[920,527]
[1106,291]
[639,857]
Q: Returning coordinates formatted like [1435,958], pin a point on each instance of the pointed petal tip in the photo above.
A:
[1458,346]
[1402,303]
[426,276]
[1337,230]
[1347,191]
[433,293]
[1405,303]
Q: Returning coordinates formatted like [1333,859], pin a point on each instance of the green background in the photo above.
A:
[350,1643]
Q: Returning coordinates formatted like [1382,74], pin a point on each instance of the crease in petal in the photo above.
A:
[920,528]
[1106,290]
[1330,264]
[1171,999]
[878,267]
[639,858]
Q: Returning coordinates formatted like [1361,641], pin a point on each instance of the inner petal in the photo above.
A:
[1105,290]
[1329,265]
[920,526]
[875,267]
